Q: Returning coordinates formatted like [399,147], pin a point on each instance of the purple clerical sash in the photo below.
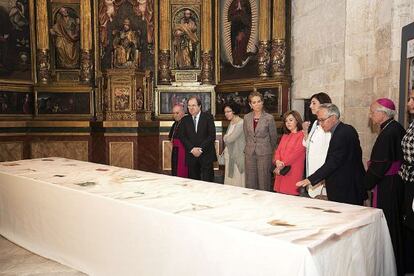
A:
[393,170]
[182,169]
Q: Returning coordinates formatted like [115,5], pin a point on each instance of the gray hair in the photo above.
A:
[332,109]
[389,112]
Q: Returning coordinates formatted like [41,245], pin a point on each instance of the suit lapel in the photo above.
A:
[249,122]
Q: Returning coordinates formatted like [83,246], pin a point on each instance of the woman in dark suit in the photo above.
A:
[261,139]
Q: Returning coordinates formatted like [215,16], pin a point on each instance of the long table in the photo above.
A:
[105,220]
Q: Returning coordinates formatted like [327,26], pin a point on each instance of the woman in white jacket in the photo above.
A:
[316,142]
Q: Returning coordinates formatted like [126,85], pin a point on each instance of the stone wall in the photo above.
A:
[351,50]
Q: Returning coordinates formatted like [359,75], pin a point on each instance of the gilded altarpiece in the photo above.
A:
[125,37]
[128,95]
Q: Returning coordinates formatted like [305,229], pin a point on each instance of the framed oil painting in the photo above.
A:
[17,42]
[125,33]
[167,97]
[16,101]
[63,103]
[272,100]
[238,39]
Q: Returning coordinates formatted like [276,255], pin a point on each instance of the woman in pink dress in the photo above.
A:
[290,152]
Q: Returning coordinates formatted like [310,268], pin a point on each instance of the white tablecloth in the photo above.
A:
[105,220]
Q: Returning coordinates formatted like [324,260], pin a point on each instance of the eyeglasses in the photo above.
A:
[323,120]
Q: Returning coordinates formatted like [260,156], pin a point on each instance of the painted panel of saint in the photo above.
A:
[15,54]
[238,39]
[16,103]
[186,40]
[126,34]
[240,98]
[63,103]
[169,99]
[66,34]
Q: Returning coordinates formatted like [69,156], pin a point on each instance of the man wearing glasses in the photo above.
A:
[343,170]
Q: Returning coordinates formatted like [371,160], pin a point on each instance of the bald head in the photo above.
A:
[178,112]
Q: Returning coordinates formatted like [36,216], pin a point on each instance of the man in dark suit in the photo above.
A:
[343,170]
[198,134]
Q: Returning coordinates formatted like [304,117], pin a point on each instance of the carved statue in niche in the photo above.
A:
[66,33]
[186,41]
[112,14]
[140,99]
[125,47]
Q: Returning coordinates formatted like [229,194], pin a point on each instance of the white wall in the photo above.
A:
[351,50]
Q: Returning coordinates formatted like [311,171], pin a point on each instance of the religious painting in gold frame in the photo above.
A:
[64,102]
[167,97]
[16,101]
[17,42]
[238,95]
[237,28]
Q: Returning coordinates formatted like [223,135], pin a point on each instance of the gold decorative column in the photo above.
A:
[207,54]
[42,39]
[164,69]
[86,41]
[278,54]
[264,45]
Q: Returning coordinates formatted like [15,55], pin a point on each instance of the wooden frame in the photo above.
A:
[238,94]
[70,103]
[31,78]
[406,78]
[167,96]
[243,72]
[16,101]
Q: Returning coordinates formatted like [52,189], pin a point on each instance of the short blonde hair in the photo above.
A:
[255,94]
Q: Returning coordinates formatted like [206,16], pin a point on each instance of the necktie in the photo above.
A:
[195,123]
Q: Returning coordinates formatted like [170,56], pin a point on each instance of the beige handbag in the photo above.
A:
[321,196]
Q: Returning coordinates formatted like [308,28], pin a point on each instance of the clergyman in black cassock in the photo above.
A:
[382,174]
[178,162]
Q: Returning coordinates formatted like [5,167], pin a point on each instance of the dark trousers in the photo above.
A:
[201,171]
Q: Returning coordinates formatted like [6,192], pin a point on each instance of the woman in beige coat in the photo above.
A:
[261,139]
[235,143]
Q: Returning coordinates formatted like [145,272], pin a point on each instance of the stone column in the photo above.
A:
[278,55]
[207,56]
[264,45]
[164,69]
[86,41]
[42,40]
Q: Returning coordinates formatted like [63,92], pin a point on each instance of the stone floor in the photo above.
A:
[15,260]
